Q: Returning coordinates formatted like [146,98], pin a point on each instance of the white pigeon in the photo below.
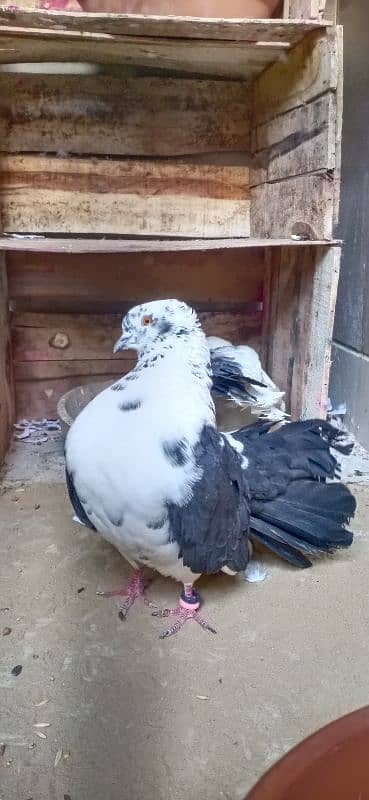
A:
[242,390]
[149,471]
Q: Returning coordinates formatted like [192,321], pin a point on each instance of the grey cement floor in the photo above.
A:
[132,717]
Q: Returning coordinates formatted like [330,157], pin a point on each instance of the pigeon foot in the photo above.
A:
[130,593]
[187,609]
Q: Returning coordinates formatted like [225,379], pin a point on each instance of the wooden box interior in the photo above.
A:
[192,159]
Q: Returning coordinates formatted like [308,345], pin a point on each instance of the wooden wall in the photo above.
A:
[67,310]
[138,156]
[296,133]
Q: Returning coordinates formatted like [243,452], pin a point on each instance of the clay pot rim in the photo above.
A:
[308,752]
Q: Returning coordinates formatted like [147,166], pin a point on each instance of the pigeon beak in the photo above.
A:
[123,343]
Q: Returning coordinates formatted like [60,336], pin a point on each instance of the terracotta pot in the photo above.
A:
[258,9]
[333,764]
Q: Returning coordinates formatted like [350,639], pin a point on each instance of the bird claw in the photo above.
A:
[136,588]
[183,615]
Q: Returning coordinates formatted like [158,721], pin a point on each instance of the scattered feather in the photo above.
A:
[202,697]
[7,631]
[41,703]
[58,756]
[36,431]
[41,735]
[42,725]
[255,572]
[2,749]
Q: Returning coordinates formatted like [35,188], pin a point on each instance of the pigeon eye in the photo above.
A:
[147,320]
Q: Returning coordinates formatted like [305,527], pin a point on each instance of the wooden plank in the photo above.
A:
[234,276]
[42,194]
[41,383]
[102,114]
[78,337]
[329,9]
[305,9]
[113,246]
[6,367]
[248,30]
[302,140]
[36,399]
[303,295]
[301,205]
[338,120]
[318,345]
[238,60]
[311,69]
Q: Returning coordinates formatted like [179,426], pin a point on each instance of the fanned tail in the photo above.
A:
[295,510]
[308,519]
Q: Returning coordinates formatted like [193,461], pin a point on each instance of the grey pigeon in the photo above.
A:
[149,471]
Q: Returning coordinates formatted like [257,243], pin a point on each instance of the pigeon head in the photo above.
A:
[152,323]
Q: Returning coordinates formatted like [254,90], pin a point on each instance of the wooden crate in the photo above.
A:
[187,163]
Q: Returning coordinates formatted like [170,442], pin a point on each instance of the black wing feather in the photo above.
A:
[76,503]
[212,528]
[228,378]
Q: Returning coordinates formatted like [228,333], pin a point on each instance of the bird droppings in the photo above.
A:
[6,631]
[37,506]
[17,670]
[81,589]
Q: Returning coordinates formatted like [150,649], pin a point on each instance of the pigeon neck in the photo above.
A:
[185,352]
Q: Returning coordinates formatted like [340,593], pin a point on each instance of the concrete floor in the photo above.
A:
[197,715]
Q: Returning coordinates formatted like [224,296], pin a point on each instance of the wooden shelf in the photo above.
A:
[229,48]
[85,245]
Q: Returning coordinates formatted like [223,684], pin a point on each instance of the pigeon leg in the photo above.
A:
[188,608]
[130,593]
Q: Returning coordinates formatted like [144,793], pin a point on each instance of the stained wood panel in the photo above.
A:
[44,372]
[75,337]
[248,30]
[228,59]
[301,141]
[6,367]
[109,115]
[299,205]
[63,245]
[303,293]
[201,278]
[311,69]
[309,9]
[42,194]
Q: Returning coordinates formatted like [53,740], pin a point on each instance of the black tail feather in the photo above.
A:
[309,518]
